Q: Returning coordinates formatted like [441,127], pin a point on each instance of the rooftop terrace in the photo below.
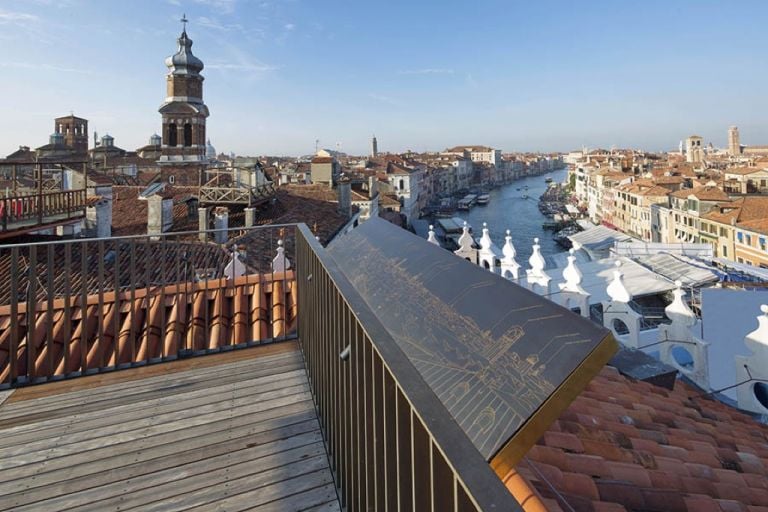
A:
[380,373]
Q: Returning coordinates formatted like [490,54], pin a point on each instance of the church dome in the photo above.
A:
[183,62]
[210,151]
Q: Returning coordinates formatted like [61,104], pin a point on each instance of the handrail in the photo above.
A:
[75,307]
[391,442]
[40,206]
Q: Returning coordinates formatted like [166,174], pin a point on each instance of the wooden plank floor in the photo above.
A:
[230,432]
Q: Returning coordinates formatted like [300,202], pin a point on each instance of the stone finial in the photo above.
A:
[509,251]
[486,256]
[485,240]
[536,274]
[465,240]
[281,263]
[760,335]
[508,262]
[678,310]
[235,267]
[431,238]
[536,261]
[572,276]
[616,289]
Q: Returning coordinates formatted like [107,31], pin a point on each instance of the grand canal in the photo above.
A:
[509,210]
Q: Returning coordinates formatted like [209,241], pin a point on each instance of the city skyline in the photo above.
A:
[281,74]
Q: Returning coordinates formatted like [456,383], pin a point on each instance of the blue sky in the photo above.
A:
[421,75]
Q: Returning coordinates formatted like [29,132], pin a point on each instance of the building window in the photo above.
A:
[725,252]
[187,135]
[762,243]
[749,240]
[171,179]
[740,237]
[173,135]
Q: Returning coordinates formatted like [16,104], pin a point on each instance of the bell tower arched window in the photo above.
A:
[187,134]
[173,136]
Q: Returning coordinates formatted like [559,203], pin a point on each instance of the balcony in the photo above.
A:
[271,373]
[24,212]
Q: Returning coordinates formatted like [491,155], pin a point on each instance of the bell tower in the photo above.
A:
[183,112]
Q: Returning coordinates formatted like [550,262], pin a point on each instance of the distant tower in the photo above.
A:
[183,111]
[374,147]
[734,144]
[694,152]
[74,131]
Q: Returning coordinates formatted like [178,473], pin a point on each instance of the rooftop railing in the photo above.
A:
[22,210]
[76,307]
[391,443]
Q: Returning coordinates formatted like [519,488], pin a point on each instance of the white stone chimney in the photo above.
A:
[220,225]
[159,214]
[98,218]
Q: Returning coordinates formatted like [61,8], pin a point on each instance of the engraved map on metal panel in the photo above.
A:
[492,351]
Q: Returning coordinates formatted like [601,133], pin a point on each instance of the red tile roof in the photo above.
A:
[631,446]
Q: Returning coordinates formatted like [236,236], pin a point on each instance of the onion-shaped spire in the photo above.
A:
[183,62]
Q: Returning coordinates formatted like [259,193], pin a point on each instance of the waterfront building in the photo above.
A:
[632,213]
[477,154]
[688,205]
[719,225]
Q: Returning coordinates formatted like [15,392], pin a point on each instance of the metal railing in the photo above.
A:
[75,307]
[40,206]
[392,445]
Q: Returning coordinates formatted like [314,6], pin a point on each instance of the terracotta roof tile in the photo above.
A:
[646,448]
[567,442]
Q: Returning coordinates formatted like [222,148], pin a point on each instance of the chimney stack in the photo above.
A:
[344,190]
[159,214]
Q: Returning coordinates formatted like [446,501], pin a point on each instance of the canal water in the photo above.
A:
[508,210]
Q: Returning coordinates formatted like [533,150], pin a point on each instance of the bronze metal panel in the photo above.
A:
[492,351]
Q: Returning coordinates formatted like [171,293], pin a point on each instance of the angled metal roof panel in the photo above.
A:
[500,358]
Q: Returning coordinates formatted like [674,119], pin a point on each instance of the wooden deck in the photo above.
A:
[236,431]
